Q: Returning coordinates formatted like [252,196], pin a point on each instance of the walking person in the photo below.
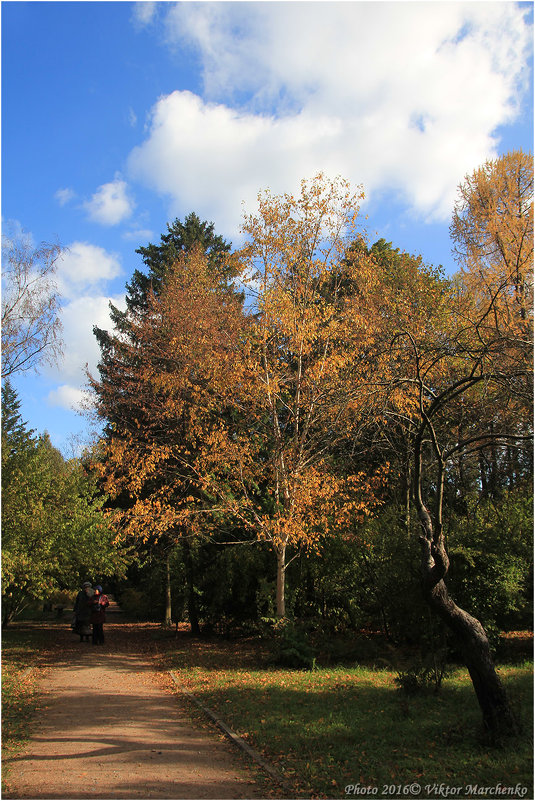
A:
[82,611]
[99,602]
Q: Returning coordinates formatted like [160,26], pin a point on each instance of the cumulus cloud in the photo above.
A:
[83,266]
[110,205]
[84,272]
[81,347]
[213,157]
[67,397]
[399,96]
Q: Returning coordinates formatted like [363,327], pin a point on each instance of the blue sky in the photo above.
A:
[118,117]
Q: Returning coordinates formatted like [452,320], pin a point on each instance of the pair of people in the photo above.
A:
[90,613]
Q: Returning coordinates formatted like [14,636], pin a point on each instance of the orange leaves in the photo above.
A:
[492,232]
[314,331]
[179,360]
[323,503]
[492,225]
[296,242]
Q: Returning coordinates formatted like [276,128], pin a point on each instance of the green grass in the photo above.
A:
[335,727]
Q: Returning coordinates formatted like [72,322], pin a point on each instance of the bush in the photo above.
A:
[369,582]
[64,598]
[291,647]
[420,677]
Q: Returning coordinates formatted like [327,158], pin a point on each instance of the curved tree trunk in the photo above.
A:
[471,638]
[473,641]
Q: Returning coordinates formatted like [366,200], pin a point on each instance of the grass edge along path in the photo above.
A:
[351,727]
[233,737]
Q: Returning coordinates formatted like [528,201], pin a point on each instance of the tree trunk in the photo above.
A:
[10,609]
[191,600]
[471,637]
[407,481]
[281,580]
[168,617]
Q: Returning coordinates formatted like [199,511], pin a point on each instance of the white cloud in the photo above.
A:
[212,157]
[84,267]
[83,274]
[399,96]
[81,347]
[110,204]
[67,397]
[143,12]
[63,196]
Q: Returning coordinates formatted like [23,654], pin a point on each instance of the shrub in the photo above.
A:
[420,677]
[491,552]
[291,646]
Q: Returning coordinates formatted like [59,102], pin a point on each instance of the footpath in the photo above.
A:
[111,726]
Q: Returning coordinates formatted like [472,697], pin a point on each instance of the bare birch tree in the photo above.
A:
[31,325]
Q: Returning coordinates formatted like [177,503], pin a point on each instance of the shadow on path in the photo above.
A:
[110,726]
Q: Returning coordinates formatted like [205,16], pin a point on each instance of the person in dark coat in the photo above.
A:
[99,602]
[82,611]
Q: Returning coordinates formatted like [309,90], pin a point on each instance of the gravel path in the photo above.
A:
[111,727]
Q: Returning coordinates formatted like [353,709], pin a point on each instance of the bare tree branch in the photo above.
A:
[31,326]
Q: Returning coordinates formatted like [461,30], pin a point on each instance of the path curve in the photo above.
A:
[111,727]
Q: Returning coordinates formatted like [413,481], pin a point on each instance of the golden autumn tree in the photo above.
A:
[212,412]
[401,293]
[304,364]
[471,383]
[492,235]
[167,382]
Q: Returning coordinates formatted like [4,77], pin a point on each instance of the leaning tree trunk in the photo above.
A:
[470,635]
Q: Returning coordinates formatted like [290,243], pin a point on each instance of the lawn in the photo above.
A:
[350,731]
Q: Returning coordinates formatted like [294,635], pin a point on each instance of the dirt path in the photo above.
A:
[111,727]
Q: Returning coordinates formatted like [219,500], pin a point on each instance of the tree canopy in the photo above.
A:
[343,412]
